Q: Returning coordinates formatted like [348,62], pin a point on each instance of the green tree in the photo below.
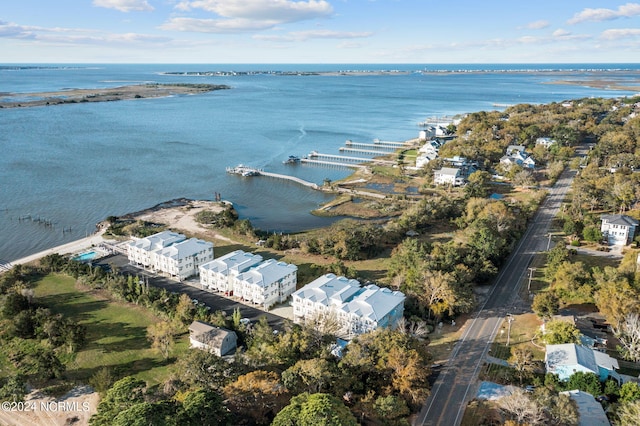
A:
[124,394]
[629,391]
[477,185]
[391,411]
[13,388]
[587,382]
[545,304]
[203,407]
[147,413]
[161,336]
[312,375]
[315,409]
[13,304]
[202,369]
[523,362]
[257,395]
[557,332]
[185,310]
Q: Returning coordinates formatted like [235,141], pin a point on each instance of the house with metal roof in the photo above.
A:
[357,309]
[268,283]
[590,411]
[618,229]
[569,358]
[219,274]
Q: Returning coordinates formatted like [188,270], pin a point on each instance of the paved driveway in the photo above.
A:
[215,302]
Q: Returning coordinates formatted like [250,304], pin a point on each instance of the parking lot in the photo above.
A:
[193,290]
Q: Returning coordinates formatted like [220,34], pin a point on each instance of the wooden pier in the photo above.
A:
[392,143]
[366,151]
[290,178]
[332,163]
[371,145]
[347,158]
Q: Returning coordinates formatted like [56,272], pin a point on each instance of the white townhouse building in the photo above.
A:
[618,229]
[358,309]
[139,250]
[219,274]
[182,260]
[268,283]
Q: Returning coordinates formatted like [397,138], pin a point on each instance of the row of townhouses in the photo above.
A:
[356,309]
[268,282]
[170,253]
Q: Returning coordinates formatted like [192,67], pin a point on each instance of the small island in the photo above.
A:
[69,96]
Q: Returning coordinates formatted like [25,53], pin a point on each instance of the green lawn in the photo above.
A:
[116,332]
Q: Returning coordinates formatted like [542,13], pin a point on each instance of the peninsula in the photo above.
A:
[69,96]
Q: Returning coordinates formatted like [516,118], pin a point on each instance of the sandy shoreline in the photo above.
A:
[141,91]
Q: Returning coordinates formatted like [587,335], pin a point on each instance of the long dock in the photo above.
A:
[332,163]
[365,151]
[291,178]
[391,143]
[371,145]
[315,154]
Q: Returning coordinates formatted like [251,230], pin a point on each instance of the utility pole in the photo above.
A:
[509,320]
[549,242]
[531,272]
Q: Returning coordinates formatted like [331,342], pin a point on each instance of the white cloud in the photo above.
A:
[124,5]
[537,25]
[625,11]
[616,34]
[561,33]
[262,10]
[216,25]
[314,34]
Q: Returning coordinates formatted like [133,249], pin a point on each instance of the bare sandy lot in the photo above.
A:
[182,217]
[74,408]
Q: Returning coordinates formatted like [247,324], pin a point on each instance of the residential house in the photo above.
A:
[268,283]
[448,176]
[182,260]
[569,358]
[216,340]
[618,229]
[433,131]
[357,309]
[516,155]
[546,142]
[429,151]
[219,274]
[590,411]
[139,250]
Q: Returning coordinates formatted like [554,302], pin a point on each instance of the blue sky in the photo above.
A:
[319,31]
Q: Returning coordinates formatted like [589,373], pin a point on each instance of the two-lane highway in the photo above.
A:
[456,383]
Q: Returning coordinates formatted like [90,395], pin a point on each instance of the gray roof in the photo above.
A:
[619,219]
[590,410]
[159,240]
[267,272]
[238,261]
[569,354]
[185,248]
[450,171]
[208,334]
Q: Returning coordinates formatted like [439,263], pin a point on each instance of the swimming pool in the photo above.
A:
[90,255]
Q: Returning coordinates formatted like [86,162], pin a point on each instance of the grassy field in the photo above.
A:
[116,332]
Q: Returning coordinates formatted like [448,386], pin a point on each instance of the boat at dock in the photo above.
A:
[292,160]
[243,170]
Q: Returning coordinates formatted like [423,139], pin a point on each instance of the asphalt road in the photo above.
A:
[215,302]
[457,382]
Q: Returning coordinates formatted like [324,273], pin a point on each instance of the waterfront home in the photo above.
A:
[356,309]
[139,250]
[449,176]
[268,283]
[618,229]
[216,340]
[219,274]
[182,260]
[569,358]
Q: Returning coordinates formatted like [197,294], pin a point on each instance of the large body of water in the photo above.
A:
[75,164]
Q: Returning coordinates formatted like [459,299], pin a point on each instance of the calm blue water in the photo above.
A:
[76,164]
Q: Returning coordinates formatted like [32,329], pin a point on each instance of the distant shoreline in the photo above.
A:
[72,96]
